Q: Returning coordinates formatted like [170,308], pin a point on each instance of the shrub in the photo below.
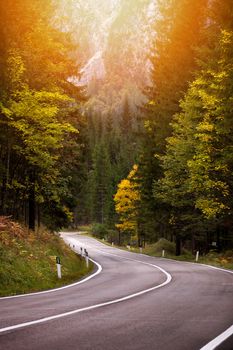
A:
[163,243]
[228,254]
[113,236]
[99,230]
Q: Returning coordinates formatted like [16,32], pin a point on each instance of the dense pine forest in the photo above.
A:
[126,126]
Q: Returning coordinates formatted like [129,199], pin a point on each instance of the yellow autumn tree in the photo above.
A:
[126,203]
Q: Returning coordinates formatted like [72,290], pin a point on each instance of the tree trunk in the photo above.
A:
[119,238]
[178,245]
[218,239]
[37,218]
[32,203]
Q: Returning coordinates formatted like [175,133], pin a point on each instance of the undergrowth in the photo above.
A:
[28,260]
[223,259]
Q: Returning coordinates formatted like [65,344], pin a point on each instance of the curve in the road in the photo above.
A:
[127,297]
[224,337]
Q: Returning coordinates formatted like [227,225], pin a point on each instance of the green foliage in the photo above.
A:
[99,230]
[63,166]
[178,31]
[225,259]
[33,117]
[109,156]
[198,162]
[28,260]
[160,245]
[37,126]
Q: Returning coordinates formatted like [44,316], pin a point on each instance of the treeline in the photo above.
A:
[163,170]
[111,151]
[41,127]
[182,186]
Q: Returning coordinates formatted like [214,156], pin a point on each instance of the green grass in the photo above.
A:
[84,228]
[223,260]
[218,260]
[213,259]
[28,264]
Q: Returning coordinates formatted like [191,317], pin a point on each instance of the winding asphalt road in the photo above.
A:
[132,302]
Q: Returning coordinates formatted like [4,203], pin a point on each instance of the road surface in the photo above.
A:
[132,302]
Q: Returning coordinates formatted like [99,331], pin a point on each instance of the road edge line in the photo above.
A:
[219,339]
[99,269]
[111,302]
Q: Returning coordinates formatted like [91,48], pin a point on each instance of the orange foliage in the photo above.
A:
[10,229]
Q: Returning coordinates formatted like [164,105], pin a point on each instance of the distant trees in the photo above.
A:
[126,118]
[111,154]
[101,184]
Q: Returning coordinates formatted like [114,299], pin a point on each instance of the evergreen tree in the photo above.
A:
[35,100]
[198,162]
[101,184]
[126,119]
[178,32]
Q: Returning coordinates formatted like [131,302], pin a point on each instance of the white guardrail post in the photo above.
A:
[58,262]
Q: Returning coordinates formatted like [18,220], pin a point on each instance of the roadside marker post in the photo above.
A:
[86,258]
[197,256]
[163,253]
[81,250]
[58,262]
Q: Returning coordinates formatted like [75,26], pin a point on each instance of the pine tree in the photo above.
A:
[178,31]
[198,161]
[35,100]
[126,119]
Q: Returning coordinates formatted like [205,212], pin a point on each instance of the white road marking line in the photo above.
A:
[135,260]
[65,314]
[217,268]
[222,337]
[210,346]
[218,340]
[99,269]
[148,256]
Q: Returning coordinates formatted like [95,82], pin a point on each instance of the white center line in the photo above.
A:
[115,301]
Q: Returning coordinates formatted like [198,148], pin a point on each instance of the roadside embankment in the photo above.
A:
[28,260]
[164,248]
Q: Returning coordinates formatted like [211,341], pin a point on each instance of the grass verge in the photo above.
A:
[28,262]
[223,260]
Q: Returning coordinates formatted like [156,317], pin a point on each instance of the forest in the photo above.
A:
[130,131]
